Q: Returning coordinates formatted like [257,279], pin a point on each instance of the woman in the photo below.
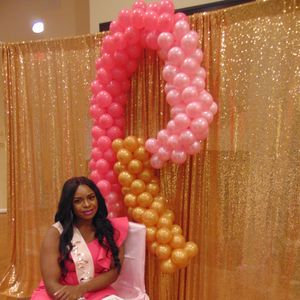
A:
[82,252]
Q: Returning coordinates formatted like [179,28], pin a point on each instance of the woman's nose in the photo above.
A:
[86,203]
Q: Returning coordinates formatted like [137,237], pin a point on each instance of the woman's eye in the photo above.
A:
[92,197]
[76,201]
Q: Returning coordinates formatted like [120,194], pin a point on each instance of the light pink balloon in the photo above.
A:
[95,176]
[186,138]
[199,83]
[177,109]
[96,154]
[189,43]
[168,73]
[165,40]
[168,87]
[198,55]
[171,127]
[155,162]
[111,177]
[194,110]
[103,99]
[105,121]
[138,18]
[208,116]
[194,148]
[176,56]
[163,54]
[104,143]
[199,125]
[163,154]
[182,121]
[150,20]
[189,66]
[102,166]
[178,157]
[214,108]
[151,40]
[181,80]
[189,94]
[103,76]
[104,186]
[165,22]
[110,156]
[97,132]
[173,97]
[115,132]
[180,29]
[201,72]
[162,136]
[180,16]
[206,99]
[173,142]
[151,145]
[116,110]
[112,198]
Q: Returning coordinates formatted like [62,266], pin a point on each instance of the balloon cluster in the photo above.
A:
[146,205]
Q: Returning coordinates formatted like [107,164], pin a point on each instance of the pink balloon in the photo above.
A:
[181,80]
[202,135]
[104,186]
[116,110]
[180,16]
[201,72]
[198,55]
[111,177]
[93,100]
[189,66]
[104,143]
[151,40]
[97,132]
[102,166]
[94,143]
[125,85]
[125,17]
[199,125]
[95,111]
[105,121]
[112,198]
[186,138]
[119,74]
[214,108]
[95,176]
[103,76]
[115,26]
[107,61]
[168,73]
[155,162]
[153,6]
[121,58]
[194,148]
[165,22]
[182,121]
[110,156]
[163,154]
[168,87]
[140,4]
[178,157]
[109,44]
[151,145]
[120,122]
[150,20]
[165,40]
[173,142]
[176,56]
[208,116]
[114,88]
[120,42]
[189,43]
[206,99]
[194,110]
[166,6]
[138,18]
[116,187]
[103,99]
[163,54]
[189,94]
[96,87]
[134,51]
[177,109]
[96,154]
[173,97]
[131,66]
[162,136]
[92,164]
[199,83]
[171,127]
[115,132]
[181,28]
[121,99]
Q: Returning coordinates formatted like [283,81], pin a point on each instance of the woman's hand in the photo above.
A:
[69,292]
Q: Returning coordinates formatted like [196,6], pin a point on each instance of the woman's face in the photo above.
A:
[85,203]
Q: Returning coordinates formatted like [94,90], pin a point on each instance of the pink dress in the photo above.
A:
[101,260]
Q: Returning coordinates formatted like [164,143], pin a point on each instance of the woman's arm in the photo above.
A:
[50,268]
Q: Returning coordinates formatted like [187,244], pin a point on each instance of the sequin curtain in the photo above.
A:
[47,89]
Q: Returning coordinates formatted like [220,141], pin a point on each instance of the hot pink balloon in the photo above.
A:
[115,26]
[97,132]
[165,40]
[134,51]
[151,40]
[111,177]
[95,176]
[96,87]
[120,42]
[125,85]
[119,74]
[102,166]
[171,127]
[182,121]
[114,88]
[110,156]
[103,76]
[165,22]
[201,72]
[156,162]
[92,164]
[178,157]
[109,44]
[120,122]
[168,87]
[95,111]
[112,198]
[150,20]
[116,187]
[121,99]
[131,66]
[151,145]
[125,17]
[105,121]
[116,110]
[166,6]
[176,56]
[103,99]
[180,16]
[104,187]
[194,110]
[114,132]
[131,35]
[121,58]
[180,29]
[96,154]
[104,143]
[138,18]
[107,61]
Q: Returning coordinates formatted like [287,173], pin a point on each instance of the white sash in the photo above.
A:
[81,255]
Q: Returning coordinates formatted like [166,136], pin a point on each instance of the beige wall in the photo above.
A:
[105,11]
[62,18]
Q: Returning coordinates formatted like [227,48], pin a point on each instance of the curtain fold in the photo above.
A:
[238,199]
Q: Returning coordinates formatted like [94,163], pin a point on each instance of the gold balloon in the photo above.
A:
[137,214]
[126,190]
[163,235]
[129,213]
[163,251]
[137,186]
[177,241]
[161,199]
[141,154]
[150,233]
[124,156]
[155,180]
[169,214]
[176,229]
[158,206]
[165,221]
[152,247]
[167,266]
[118,167]
[150,217]
[135,166]
[153,188]
[130,200]
[125,178]
[117,144]
[191,248]
[146,175]
[145,199]
[141,141]
[179,257]
[131,143]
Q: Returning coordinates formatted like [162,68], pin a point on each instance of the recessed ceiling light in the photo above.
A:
[38,27]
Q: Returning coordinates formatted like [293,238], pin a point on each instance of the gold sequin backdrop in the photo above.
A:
[238,199]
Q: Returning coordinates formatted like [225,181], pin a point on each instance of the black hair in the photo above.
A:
[65,215]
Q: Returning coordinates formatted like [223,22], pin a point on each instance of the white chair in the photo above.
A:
[131,283]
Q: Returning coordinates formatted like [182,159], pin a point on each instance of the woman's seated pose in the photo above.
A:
[82,253]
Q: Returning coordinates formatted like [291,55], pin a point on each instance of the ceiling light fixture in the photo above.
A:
[38,27]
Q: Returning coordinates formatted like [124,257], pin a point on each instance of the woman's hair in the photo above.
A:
[65,215]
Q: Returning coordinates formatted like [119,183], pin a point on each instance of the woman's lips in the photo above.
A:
[88,212]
